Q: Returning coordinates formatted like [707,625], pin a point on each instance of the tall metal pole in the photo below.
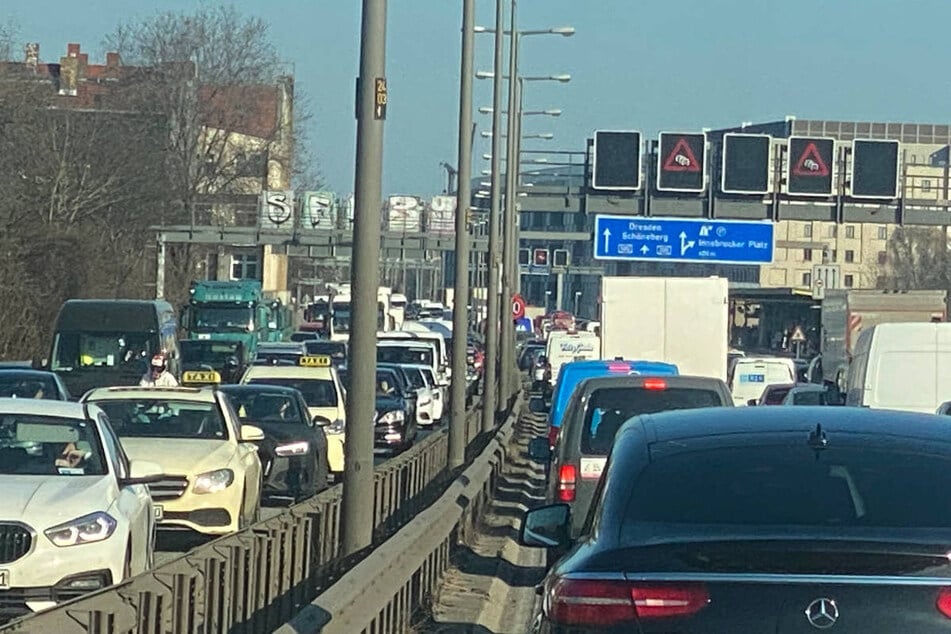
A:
[490,394]
[460,315]
[517,280]
[357,503]
[508,228]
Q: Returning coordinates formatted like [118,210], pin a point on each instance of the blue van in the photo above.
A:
[573,373]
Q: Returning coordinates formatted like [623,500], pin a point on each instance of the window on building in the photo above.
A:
[251,165]
[850,256]
[834,255]
[849,281]
[925,185]
[833,230]
[807,255]
[882,257]
[807,279]
[245,266]
[807,231]
[849,231]
[883,233]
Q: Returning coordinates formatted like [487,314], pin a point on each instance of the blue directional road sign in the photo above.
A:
[682,240]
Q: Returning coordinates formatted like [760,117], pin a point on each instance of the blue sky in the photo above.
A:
[635,64]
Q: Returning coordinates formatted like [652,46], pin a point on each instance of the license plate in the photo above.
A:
[591,468]
[752,378]
[159,511]
[4,579]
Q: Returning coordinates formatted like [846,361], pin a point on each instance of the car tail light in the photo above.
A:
[660,601]
[655,384]
[567,478]
[593,602]
[944,602]
[619,367]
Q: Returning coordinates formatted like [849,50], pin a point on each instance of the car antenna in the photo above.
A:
[818,439]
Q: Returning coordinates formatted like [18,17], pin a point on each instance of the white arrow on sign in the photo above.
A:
[684,243]
[607,235]
[644,249]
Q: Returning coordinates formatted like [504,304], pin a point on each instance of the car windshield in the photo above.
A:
[404,355]
[72,350]
[223,319]
[792,485]
[164,418]
[334,349]
[14,385]
[387,383]
[317,392]
[416,378]
[809,397]
[609,408]
[265,407]
[48,445]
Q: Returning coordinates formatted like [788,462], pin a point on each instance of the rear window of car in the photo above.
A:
[809,397]
[609,408]
[793,486]
[776,395]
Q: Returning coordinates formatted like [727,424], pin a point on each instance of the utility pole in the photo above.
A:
[357,503]
[508,221]
[460,314]
[490,400]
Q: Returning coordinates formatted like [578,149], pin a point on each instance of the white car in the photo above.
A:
[437,392]
[212,472]
[75,512]
[426,395]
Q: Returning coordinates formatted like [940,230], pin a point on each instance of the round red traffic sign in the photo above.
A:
[518,307]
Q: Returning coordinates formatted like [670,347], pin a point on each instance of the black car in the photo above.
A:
[28,383]
[294,450]
[394,423]
[784,519]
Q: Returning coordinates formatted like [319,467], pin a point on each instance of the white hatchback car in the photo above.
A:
[75,512]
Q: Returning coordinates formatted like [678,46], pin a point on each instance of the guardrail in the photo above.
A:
[255,580]
[383,592]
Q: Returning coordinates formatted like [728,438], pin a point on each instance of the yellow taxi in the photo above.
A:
[317,379]
[212,481]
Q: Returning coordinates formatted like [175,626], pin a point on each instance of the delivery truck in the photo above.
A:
[677,320]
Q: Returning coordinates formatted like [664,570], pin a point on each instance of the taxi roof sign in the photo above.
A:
[319,361]
[201,376]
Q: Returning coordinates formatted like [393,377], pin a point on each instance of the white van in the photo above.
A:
[425,335]
[566,346]
[751,375]
[903,366]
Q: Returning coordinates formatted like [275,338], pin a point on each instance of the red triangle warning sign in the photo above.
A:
[811,163]
[681,158]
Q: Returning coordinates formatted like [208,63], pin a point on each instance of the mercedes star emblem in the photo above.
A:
[822,613]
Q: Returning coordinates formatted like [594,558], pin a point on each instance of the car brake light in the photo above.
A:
[593,602]
[618,367]
[661,601]
[944,602]
[567,477]
[655,384]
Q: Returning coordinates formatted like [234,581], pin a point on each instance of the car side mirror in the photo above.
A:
[143,472]
[944,409]
[546,527]
[321,421]
[539,449]
[537,406]
[250,433]
[752,402]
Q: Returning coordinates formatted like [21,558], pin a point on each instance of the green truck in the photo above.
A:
[238,313]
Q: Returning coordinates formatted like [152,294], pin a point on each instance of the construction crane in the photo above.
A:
[451,174]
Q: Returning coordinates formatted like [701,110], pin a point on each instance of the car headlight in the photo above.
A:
[396,416]
[213,481]
[87,529]
[293,449]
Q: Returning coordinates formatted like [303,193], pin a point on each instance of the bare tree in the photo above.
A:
[918,259]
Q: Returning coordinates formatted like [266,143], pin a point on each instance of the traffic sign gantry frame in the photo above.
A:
[893,194]
[665,156]
[638,157]
[655,239]
[796,160]
[766,164]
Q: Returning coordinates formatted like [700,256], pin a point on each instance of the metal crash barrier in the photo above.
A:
[255,580]
[382,593]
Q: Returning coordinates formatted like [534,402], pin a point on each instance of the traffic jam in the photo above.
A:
[141,422]
[696,487]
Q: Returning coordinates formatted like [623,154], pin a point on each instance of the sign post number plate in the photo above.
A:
[4,579]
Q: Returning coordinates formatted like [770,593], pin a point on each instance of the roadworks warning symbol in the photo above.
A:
[810,163]
[681,158]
